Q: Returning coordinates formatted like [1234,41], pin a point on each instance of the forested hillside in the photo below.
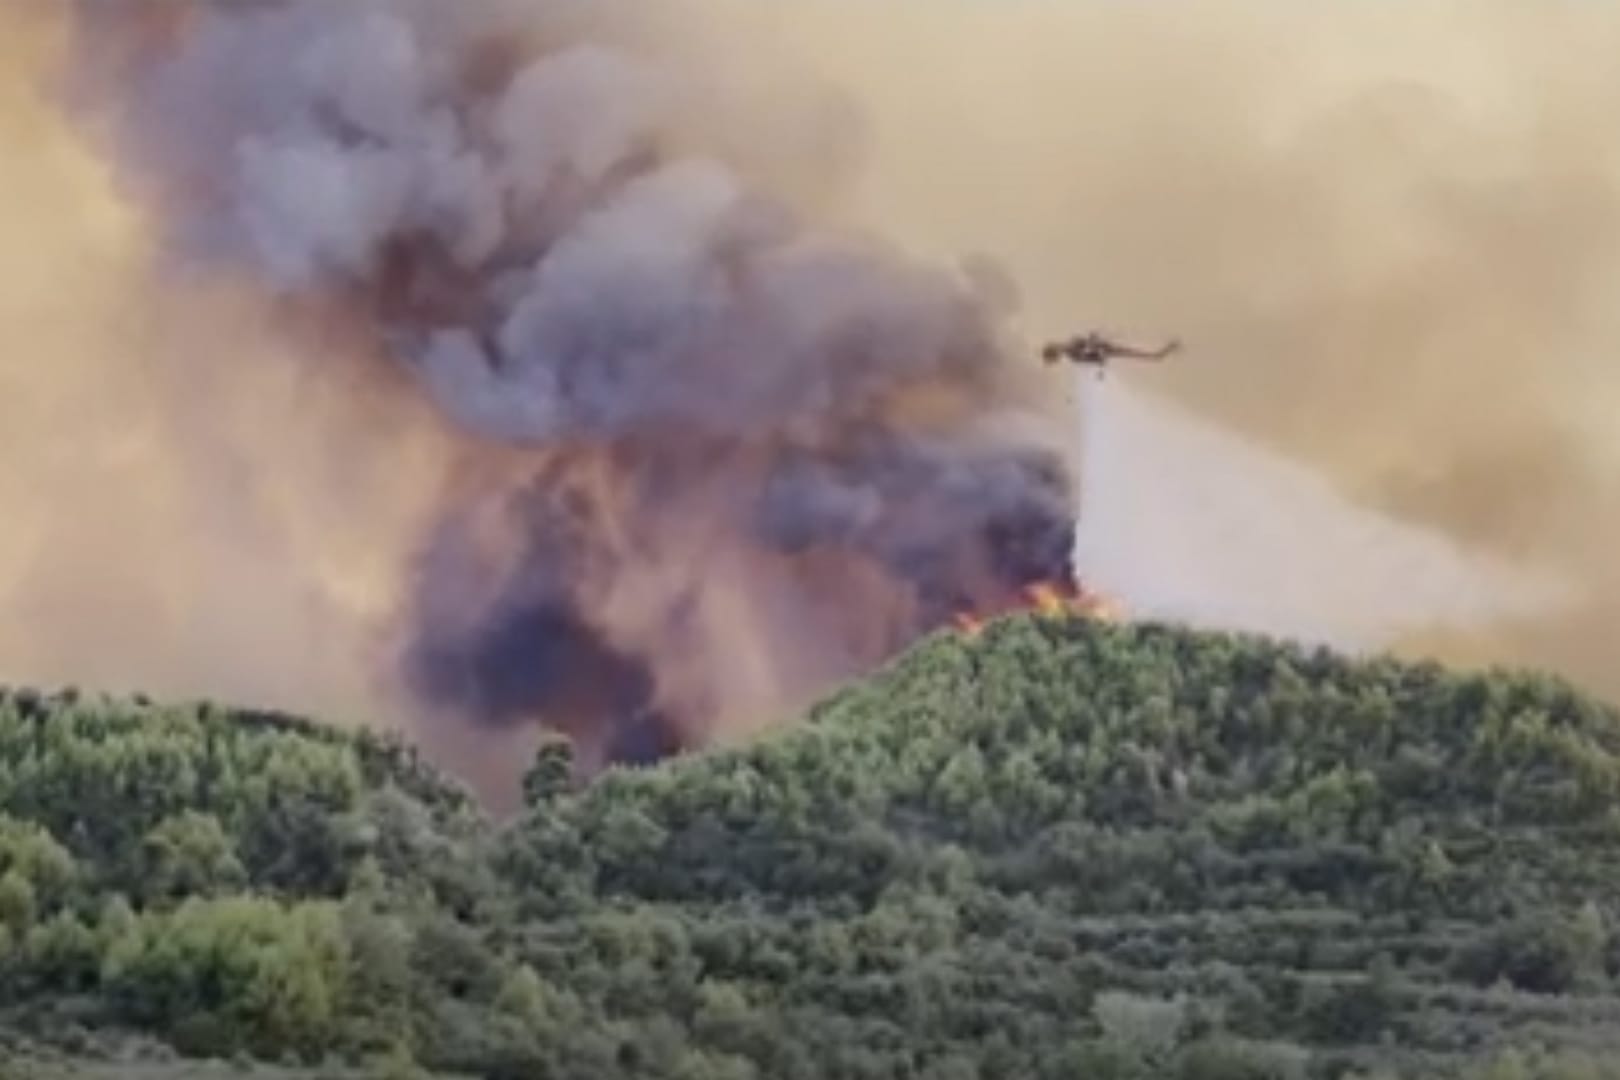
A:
[1062,849]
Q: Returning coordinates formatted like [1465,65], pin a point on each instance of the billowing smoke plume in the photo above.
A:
[718,450]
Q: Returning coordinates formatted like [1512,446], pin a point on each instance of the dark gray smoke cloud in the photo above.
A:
[592,240]
[543,230]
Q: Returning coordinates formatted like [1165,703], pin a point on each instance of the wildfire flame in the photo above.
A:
[1047,599]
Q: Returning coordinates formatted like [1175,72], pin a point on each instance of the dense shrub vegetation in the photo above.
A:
[1060,850]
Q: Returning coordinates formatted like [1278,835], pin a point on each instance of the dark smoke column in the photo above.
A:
[757,454]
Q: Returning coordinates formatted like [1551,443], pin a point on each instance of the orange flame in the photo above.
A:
[968,624]
[1048,600]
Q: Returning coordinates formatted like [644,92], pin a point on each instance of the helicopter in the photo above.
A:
[1095,349]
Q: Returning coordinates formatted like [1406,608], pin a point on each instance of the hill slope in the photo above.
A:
[1063,849]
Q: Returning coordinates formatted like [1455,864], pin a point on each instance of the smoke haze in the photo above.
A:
[428,353]
[186,511]
[1386,231]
